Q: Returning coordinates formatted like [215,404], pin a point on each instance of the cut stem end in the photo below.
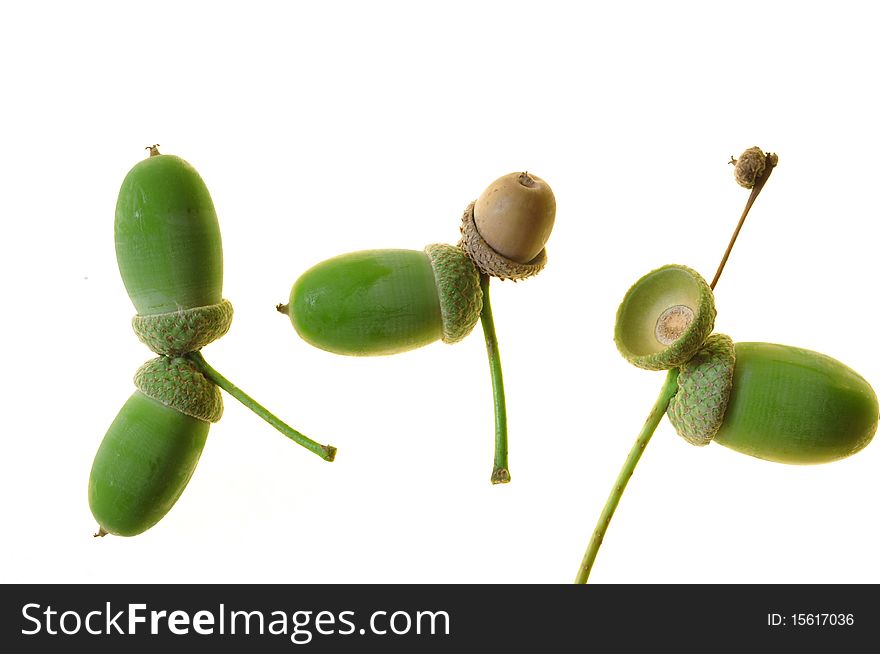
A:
[501,476]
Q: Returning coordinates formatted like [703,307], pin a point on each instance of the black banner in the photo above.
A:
[398,618]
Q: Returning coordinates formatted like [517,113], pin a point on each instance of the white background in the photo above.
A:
[322,128]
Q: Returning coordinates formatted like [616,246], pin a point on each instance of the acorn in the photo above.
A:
[379,302]
[773,402]
[151,449]
[504,231]
[170,257]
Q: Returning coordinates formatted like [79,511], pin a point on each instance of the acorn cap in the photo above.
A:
[664,318]
[458,286]
[488,260]
[704,384]
[187,330]
[177,383]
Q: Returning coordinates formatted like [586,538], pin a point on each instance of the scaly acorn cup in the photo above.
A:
[664,318]
[773,402]
[380,302]
[170,257]
[152,447]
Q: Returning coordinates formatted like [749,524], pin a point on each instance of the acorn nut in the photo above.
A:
[505,230]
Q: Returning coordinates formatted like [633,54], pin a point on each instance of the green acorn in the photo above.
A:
[773,402]
[378,302]
[170,256]
[151,449]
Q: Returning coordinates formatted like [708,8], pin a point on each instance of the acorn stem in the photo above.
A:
[326,452]
[770,163]
[670,387]
[526,180]
[500,472]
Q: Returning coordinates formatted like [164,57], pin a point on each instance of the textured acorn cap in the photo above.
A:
[187,330]
[177,383]
[664,318]
[458,285]
[488,260]
[704,384]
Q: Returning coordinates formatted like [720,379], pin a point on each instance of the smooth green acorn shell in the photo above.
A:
[143,465]
[646,301]
[379,302]
[167,236]
[785,404]
[796,406]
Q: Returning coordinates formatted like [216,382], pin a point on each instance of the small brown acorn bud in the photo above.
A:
[751,165]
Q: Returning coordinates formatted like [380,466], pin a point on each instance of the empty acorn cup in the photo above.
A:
[664,318]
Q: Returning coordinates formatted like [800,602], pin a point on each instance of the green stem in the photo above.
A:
[326,452]
[500,472]
[670,387]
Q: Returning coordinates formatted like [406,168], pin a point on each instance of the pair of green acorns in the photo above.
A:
[770,401]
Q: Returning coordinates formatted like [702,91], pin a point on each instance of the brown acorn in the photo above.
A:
[505,230]
[515,215]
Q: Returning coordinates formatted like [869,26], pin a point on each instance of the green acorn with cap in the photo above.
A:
[775,402]
[170,257]
[382,302]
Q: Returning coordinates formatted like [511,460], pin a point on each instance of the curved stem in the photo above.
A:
[500,472]
[326,452]
[670,387]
